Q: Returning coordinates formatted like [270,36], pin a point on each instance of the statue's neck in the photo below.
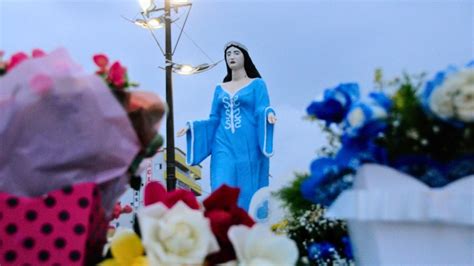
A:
[239,74]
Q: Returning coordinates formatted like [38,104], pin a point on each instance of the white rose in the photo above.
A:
[176,236]
[455,97]
[258,246]
[464,103]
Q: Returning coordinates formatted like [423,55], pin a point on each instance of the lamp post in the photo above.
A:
[148,7]
[170,157]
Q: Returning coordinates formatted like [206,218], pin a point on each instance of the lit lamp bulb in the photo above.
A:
[155,23]
[145,4]
[186,70]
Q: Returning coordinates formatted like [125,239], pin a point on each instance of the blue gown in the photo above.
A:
[238,137]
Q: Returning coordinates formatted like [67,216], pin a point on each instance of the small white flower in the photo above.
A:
[412,133]
[455,97]
[176,236]
[258,246]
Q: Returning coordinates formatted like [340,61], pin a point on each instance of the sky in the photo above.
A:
[299,47]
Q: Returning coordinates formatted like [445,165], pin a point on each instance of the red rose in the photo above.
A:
[117,75]
[36,53]
[16,59]
[101,60]
[155,192]
[223,212]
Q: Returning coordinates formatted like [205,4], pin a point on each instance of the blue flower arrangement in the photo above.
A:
[425,129]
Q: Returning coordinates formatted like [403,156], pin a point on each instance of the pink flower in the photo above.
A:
[117,75]
[2,53]
[38,53]
[41,83]
[101,60]
[16,59]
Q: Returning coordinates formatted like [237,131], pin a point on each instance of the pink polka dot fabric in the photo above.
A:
[64,227]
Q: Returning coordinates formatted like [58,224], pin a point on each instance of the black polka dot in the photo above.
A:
[95,193]
[79,229]
[63,215]
[75,255]
[43,255]
[10,256]
[47,228]
[28,243]
[31,215]
[49,201]
[12,202]
[11,229]
[67,190]
[60,243]
[83,202]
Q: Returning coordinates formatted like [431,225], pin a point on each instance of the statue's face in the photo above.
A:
[234,58]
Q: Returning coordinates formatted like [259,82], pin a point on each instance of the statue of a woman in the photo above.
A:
[239,132]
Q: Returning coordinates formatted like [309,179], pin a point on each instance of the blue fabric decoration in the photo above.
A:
[323,250]
[335,104]
[382,100]
[319,171]
[238,137]
[347,248]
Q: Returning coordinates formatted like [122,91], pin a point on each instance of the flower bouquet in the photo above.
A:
[402,166]
[68,149]
[174,229]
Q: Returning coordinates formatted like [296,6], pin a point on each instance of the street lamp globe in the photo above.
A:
[186,70]
[146,4]
[155,23]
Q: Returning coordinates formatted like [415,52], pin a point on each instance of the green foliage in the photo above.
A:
[291,196]
[412,132]
[305,224]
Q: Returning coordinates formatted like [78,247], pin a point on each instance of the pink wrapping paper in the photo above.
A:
[60,126]
[64,227]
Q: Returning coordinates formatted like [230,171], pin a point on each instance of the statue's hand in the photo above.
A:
[272,118]
[183,131]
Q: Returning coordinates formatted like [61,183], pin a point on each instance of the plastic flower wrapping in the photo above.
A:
[60,126]
[424,129]
[70,141]
[175,229]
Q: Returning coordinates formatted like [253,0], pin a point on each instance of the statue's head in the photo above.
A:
[236,57]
